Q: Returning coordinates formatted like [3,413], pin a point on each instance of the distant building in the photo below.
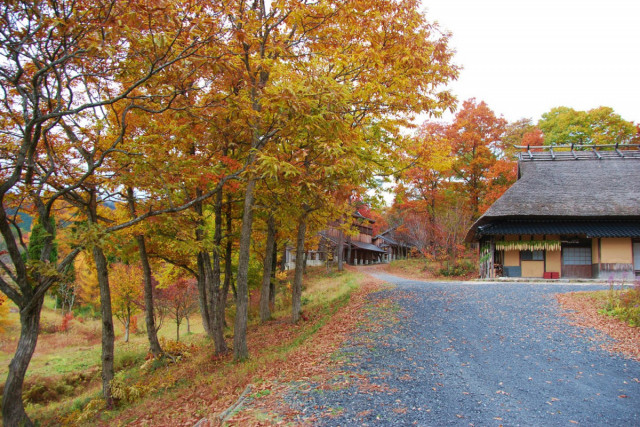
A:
[357,250]
[571,214]
[394,245]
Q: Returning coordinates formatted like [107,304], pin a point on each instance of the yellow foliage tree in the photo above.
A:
[86,280]
[126,293]
[4,313]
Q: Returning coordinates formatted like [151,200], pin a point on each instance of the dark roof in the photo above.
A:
[359,215]
[367,246]
[387,239]
[359,245]
[560,226]
[579,189]
[326,236]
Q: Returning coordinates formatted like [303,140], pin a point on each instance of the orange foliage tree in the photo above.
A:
[63,67]
[455,172]
[126,283]
[476,141]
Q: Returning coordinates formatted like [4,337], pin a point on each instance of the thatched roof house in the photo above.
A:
[569,214]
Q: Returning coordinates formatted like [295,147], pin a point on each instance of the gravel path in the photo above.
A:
[475,354]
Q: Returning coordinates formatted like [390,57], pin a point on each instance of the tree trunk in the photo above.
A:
[283,264]
[13,413]
[152,332]
[341,251]
[210,294]
[265,310]
[202,295]
[177,327]
[126,330]
[240,350]
[272,282]
[296,298]
[204,274]
[228,271]
[218,332]
[108,335]
[188,324]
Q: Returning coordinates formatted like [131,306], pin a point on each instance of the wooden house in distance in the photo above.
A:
[357,249]
[393,244]
[571,213]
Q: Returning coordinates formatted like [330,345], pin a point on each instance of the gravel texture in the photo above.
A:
[474,354]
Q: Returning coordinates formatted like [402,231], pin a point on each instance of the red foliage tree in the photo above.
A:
[178,300]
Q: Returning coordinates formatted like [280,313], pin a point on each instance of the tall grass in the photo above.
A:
[624,303]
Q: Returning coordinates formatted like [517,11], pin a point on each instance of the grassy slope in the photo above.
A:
[198,384]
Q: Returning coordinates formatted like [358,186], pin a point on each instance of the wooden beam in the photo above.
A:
[595,151]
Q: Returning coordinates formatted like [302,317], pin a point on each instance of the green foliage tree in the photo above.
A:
[564,125]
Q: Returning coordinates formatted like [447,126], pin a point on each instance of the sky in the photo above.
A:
[525,57]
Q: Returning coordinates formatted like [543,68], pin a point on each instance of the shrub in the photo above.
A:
[176,349]
[86,311]
[42,390]
[66,320]
[127,393]
[624,304]
[48,327]
[457,269]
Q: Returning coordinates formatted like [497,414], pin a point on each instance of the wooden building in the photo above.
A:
[574,212]
[357,249]
[393,244]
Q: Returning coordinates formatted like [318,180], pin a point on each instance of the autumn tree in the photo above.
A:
[564,125]
[127,293]
[371,85]
[4,313]
[475,136]
[430,163]
[455,172]
[62,67]
[521,133]
[178,300]
[86,281]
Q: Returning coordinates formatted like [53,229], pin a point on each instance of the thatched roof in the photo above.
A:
[580,189]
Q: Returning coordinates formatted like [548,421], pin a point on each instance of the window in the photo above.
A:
[532,255]
[576,256]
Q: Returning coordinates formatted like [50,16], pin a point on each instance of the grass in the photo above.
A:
[423,268]
[60,356]
[623,303]
[64,372]
[619,301]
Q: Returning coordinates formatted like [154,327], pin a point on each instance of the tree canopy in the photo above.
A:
[564,125]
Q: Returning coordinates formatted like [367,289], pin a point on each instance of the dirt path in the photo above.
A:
[472,354]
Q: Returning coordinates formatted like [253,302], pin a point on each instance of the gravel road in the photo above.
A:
[476,354]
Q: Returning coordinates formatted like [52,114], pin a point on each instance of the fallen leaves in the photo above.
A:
[582,310]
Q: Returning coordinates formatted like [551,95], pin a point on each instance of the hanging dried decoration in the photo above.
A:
[529,245]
